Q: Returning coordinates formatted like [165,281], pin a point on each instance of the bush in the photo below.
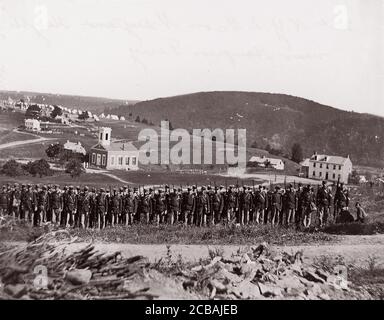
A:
[74,167]
[13,169]
[39,167]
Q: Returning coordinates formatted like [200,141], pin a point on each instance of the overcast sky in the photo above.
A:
[330,51]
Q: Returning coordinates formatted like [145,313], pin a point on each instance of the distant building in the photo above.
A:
[75,147]
[113,155]
[329,168]
[264,161]
[114,117]
[122,118]
[32,125]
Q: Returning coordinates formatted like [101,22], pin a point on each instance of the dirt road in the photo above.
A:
[23,142]
[356,249]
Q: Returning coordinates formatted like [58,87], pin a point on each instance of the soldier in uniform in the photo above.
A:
[15,201]
[56,205]
[277,203]
[246,206]
[145,207]
[217,202]
[308,206]
[27,203]
[85,208]
[299,206]
[159,205]
[173,205]
[92,209]
[4,201]
[231,205]
[70,207]
[323,201]
[115,207]
[289,201]
[259,206]
[342,201]
[102,208]
[189,207]
[42,205]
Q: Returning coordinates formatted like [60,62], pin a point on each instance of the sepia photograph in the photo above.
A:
[208,152]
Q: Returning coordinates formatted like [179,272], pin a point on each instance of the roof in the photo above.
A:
[262,159]
[305,163]
[117,146]
[329,159]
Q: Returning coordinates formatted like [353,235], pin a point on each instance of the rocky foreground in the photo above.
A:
[44,269]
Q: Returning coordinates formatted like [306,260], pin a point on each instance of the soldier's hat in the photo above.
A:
[166,186]
[78,188]
[125,187]
[194,187]
[23,185]
[290,185]
[114,189]
[70,187]
[150,189]
[189,189]
[277,187]
[203,188]
[160,191]
[4,187]
[65,188]
[209,188]
[102,189]
[44,187]
[86,188]
[121,189]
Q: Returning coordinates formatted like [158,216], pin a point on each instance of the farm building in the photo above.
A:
[32,125]
[264,161]
[113,155]
[75,147]
[330,168]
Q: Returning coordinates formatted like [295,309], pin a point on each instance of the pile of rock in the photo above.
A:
[261,273]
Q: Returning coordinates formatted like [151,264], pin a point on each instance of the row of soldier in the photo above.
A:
[201,206]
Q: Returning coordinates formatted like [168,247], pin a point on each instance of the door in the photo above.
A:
[98,161]
[326,176]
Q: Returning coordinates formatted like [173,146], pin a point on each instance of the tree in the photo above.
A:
[145,121]
[297,153]
[74,167]
[56,112]
[84,115]
[137,119]
[12,168]
[39,167]
[33,112]
[54,150]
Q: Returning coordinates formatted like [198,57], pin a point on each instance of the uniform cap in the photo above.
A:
[86,188]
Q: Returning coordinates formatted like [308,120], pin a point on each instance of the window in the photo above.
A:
[106,136]
[321,165]
[334,176]
[327,166]
[334,167]
[127,161]
[101,136]
[98,159]
[112,161]
[94,158]
[314,164]
[120,161]
[339,167]
[314,173]
[320,174]
[133,161]
[339,176]
[103,160]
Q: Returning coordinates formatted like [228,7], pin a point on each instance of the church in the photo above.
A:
[113,155]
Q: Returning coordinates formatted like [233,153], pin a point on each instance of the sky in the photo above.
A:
[330,51]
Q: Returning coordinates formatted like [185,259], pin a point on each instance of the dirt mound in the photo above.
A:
[43,269]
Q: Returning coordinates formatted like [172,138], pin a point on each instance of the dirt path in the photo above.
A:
[23,142]
[356,249]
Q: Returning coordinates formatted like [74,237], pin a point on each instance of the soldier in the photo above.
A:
[276,206]
[308,206]
[135,205]
[289,201]
[299,206]
[159,205]
[56,205]
[102,208]
[231,205]
[70,207]
[42,205]
[173,205]
[124,219]
[4,201]
[323,201]
[92,209]
[259,206]
[85,207]
[145,207]
[217,206]
[115,207]
[246,206]
[342,201]
[189,205]
[16,201]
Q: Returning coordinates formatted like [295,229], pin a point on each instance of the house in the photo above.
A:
[113,155]
[304,168]
[329,168]
[122,118]
[264,161]
[32,125]
[75,147]
[114,117]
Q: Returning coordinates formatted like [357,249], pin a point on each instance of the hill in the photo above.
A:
[276,120]
[93,104]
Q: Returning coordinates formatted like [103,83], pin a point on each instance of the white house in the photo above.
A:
[329,168]
[32,125]
[75,147]
[113,155]
[275,163]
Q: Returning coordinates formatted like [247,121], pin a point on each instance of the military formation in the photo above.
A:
[192,206]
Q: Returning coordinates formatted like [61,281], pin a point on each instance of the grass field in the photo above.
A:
[8,136]
[61,178]
[35,150]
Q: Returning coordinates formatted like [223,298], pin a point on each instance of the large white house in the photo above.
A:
[264,161]
[329,168]
[113,155]
[32,125]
